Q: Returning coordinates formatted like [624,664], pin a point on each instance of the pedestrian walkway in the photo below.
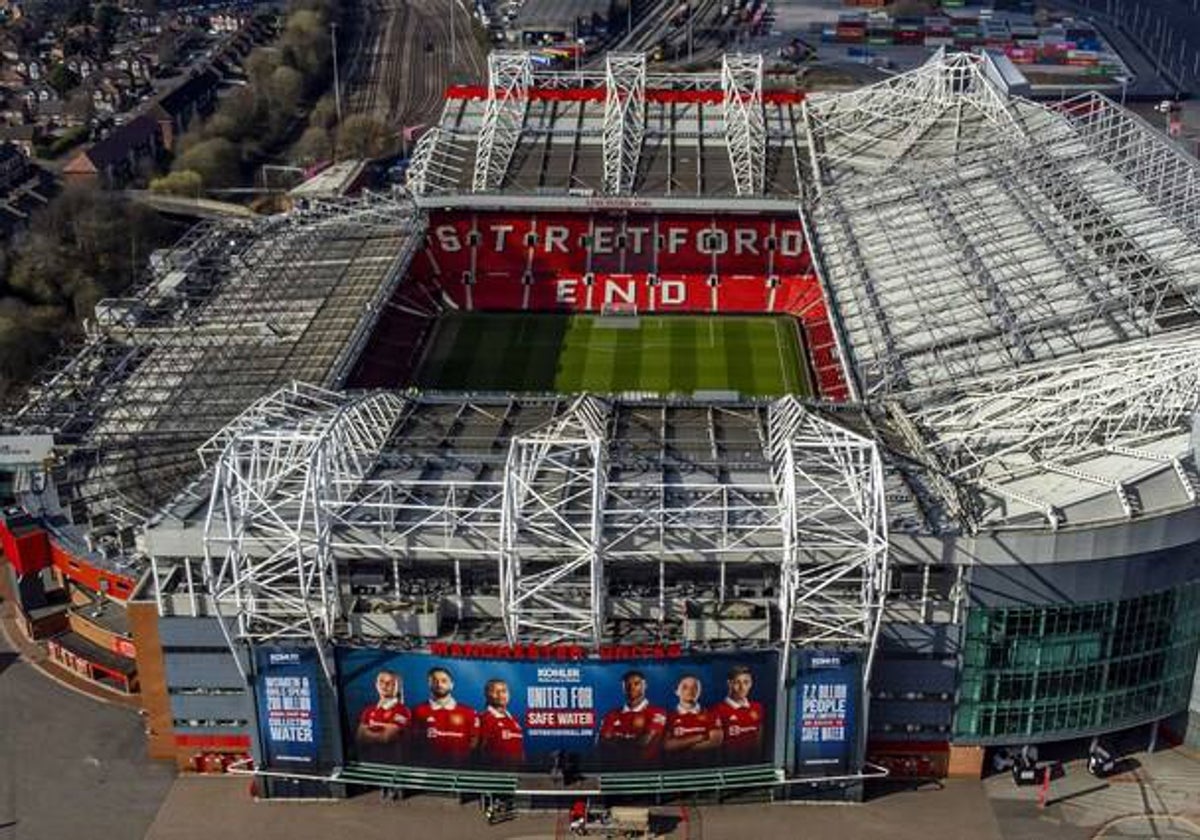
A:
[1158,796]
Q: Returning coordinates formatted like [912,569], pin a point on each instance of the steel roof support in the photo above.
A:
[436,161]
[551,522]
[829,483]
[268,563]
[624,119]
[510,75]
[1064,409]
[745,127]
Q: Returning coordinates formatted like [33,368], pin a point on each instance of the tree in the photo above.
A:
[217,161]
[28,335]
[305,43]
[324,113]
[183,182]
[259,66]
[314,145]
[362,136]
[62,78]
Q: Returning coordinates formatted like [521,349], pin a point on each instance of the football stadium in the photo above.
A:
[670,435]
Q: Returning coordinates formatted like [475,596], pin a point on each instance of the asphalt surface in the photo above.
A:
[71,766]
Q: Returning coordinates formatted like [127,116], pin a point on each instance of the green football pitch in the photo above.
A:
[755,356]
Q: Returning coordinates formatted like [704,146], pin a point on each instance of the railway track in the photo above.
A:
[404,68]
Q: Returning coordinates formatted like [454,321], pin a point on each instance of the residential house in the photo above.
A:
[115,160]
[177,108]
[30,69]
[82,66]
[22,136]
[24,187]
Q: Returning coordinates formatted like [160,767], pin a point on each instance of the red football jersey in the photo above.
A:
[501,738]
[376,716]
[743,729]
[621,728]
[447,733]
[698,722]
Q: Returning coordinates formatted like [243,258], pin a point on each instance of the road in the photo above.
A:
[404,64]
[71,766]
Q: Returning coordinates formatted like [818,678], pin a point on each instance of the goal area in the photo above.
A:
[618,315]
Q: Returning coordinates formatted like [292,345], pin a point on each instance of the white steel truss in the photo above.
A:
[830,488]
[946,109]
[510,75]
[551,522]
[1040,416]
[436,161]
[624,119]
[745,127]
[268,562]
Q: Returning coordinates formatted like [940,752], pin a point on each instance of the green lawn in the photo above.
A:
[756,356]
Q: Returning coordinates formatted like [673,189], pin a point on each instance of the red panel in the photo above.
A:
[213,741]
[89,576]
[28,550]
[745,293]
[798,295]
[597,94]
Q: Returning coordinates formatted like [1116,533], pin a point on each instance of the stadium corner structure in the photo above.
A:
[324,561]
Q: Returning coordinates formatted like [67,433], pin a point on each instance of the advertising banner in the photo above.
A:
[288,705]
[695,711]
[827,700]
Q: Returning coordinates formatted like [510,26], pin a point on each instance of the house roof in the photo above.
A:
[114,148]
[185,94]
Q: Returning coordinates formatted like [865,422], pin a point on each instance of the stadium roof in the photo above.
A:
[1020,283]
[1014,286]
[231,313]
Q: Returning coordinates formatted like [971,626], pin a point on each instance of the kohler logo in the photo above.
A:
[289,658]
[825,662]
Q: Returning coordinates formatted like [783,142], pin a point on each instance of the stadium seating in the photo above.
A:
[578,262]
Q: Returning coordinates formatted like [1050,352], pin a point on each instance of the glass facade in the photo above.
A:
[1054,671]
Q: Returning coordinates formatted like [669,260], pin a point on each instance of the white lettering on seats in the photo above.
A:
[676,238]
[712,240]
[447,237]
[623,290]
[603,241]
[502,232]
[565,291]
[637,236]
[556,238]
[791,243]
[672,293]
[745,241]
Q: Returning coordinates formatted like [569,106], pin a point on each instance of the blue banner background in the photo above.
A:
[288,705]
[590,685]
[827,701]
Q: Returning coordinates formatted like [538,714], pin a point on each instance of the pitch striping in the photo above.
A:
[756,356]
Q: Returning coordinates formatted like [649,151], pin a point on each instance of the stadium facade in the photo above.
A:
[980,529]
